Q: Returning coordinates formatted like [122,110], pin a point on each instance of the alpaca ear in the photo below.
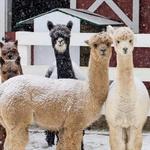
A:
[110,30]
[69,25]
[17,61]
[50,25]
[87,42]
[16,43]
[1,44]
[2,61]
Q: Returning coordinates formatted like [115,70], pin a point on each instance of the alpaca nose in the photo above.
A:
[125,49]
[10,56]
[103,50]
[10,75]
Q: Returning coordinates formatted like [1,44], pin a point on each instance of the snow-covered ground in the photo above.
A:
[93,140]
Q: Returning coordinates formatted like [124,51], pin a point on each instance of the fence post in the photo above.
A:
[25,54]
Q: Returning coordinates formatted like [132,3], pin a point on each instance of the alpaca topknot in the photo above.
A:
[102,37]
[60,30]
[123,33]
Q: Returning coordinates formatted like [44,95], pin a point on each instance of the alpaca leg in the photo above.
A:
[50,137]
[117,141]
[135,139]
[16,139]
[69,140]
[82,143]
[2,136]
[7,145]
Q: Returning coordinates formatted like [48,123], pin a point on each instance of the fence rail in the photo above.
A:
[77,39]
[26,39]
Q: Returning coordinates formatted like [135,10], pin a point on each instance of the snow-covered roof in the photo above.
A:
[80,14]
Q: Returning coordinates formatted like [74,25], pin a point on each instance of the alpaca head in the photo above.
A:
[60,36]
[100,45]
[9,50]
[123,39]
[9,68]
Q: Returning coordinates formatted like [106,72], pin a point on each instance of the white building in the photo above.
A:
[45,55]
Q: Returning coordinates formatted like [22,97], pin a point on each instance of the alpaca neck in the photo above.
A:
[64,65]
[125,76]
[98,78]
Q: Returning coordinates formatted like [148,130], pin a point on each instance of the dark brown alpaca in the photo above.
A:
[9,68]
[9,51]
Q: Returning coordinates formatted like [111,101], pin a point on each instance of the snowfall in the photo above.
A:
[93,140]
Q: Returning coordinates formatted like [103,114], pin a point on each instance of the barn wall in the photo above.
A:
[141,55]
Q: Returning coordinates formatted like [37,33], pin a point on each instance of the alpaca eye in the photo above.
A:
[118,42]
[13,50]
[108,44]
[130,41]
[95,45]
[15,71]
[4,53]
[4,72]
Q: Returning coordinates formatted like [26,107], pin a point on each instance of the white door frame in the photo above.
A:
[73,4]
[2,18]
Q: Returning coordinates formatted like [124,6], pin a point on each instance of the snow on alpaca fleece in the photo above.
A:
[66,104]
[37,90]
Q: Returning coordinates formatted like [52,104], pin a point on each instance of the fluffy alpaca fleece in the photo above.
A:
[67,105]
[127,104]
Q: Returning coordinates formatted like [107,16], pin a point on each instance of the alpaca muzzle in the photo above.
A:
[103,51]
[125,49]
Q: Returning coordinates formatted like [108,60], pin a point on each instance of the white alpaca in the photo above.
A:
[66,105]
[127,104]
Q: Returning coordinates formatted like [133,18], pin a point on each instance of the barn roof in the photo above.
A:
[80,14]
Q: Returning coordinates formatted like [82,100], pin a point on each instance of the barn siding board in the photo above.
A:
[84,4]
[145,16]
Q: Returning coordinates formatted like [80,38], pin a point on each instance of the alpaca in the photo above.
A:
[127,103]
[65,68]
[9,51]
[9,68]
[67,105]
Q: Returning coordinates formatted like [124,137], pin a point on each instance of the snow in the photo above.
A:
[93,140]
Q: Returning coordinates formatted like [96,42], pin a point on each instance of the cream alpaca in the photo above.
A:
[127,104]
[66,105]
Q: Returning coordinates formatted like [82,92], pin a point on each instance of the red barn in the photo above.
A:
[134,13]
